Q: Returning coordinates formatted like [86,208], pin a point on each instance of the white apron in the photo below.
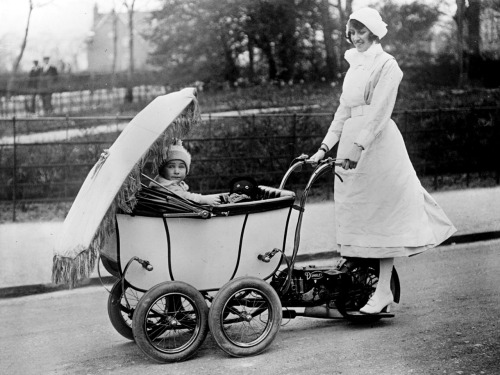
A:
[381,208]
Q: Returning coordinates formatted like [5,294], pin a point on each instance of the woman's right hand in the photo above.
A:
[319,155]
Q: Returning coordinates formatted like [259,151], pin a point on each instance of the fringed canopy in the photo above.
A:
[115,179]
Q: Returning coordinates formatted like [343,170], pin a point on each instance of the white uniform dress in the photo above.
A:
[381,209]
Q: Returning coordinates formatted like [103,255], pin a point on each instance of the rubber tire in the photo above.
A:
[116,309]
[342,299]
[170,289]
[218,314]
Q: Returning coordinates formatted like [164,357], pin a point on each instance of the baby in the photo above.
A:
[172,173]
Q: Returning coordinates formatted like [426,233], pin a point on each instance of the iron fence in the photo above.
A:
[46,159]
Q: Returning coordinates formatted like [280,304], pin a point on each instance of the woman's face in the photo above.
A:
[361,38]
[174,170]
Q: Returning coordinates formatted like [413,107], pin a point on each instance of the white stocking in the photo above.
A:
[384,277]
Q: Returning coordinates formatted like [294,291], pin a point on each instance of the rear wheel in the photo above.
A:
[171,322]
[359,284]
[121,307]
[245,316]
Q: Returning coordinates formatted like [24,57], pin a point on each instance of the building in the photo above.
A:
[101,42]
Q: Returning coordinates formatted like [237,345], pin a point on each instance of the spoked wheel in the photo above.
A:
[358,286]
[170,322]
[245,316]
[121,307]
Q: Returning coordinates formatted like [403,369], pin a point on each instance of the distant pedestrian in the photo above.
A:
[33,85]
[381,209]
[47,82]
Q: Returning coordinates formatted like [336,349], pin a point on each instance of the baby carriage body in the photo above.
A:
[205,253]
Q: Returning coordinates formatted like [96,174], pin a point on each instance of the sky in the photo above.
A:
[59,28]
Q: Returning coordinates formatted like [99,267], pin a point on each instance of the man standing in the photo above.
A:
[33,83]
[49,77]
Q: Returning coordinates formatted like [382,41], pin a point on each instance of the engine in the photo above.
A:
[309,286]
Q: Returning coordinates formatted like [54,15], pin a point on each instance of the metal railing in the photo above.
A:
[47,159]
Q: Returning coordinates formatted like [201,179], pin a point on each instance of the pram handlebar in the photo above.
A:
[321,168]
[304,159]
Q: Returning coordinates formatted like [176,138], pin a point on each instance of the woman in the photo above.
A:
[381,209]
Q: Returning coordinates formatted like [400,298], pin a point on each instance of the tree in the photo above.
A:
[197,39]
[343,17]
[19,57]
[468,19]
[130,71]
[410,33]
[328,31]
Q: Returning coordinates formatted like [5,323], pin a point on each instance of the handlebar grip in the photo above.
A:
[264,258]
[145,264]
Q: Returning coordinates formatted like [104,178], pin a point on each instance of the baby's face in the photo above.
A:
[174,170]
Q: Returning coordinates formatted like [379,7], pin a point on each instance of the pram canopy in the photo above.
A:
[114,180]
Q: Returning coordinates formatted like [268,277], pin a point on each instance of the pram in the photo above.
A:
[183,269]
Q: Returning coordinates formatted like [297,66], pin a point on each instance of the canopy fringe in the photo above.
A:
[70,271]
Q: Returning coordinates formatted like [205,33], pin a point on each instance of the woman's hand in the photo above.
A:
[352,158]
[319,155]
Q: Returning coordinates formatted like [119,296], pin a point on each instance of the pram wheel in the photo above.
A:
[170,322]
[245,316]
[121,309]
[359,284]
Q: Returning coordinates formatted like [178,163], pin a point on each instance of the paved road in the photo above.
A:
[446,323]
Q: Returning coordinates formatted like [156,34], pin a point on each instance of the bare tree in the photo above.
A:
[130,72]
[115,46]
[17,62]
[459,19]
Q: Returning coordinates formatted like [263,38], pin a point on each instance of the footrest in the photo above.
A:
[380,315]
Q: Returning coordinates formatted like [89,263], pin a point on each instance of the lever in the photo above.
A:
[266,258]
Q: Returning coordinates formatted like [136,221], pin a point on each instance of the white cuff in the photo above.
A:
[330,139]
[364,138]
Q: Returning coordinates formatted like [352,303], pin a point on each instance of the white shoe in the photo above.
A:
[377,305]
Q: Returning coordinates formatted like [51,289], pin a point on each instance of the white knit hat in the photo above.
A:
[178,152]
[371,19]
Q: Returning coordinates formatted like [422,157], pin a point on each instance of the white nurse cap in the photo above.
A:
[371,19]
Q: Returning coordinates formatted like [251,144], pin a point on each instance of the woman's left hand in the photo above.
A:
[352,158]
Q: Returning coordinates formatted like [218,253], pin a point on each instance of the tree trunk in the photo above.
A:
[344,16]
[17,62]
[231,73]
[268,50]
[326,21]
[474,59]
[251,62]
[115,48]
[287,45]
[459,18]
[129,96]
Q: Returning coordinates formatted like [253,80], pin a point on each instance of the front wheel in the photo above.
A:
[170,322]
[245,316]
[121,307]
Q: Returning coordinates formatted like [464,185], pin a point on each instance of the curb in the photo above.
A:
[25,290]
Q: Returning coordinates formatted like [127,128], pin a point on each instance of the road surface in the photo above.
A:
[447,323]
